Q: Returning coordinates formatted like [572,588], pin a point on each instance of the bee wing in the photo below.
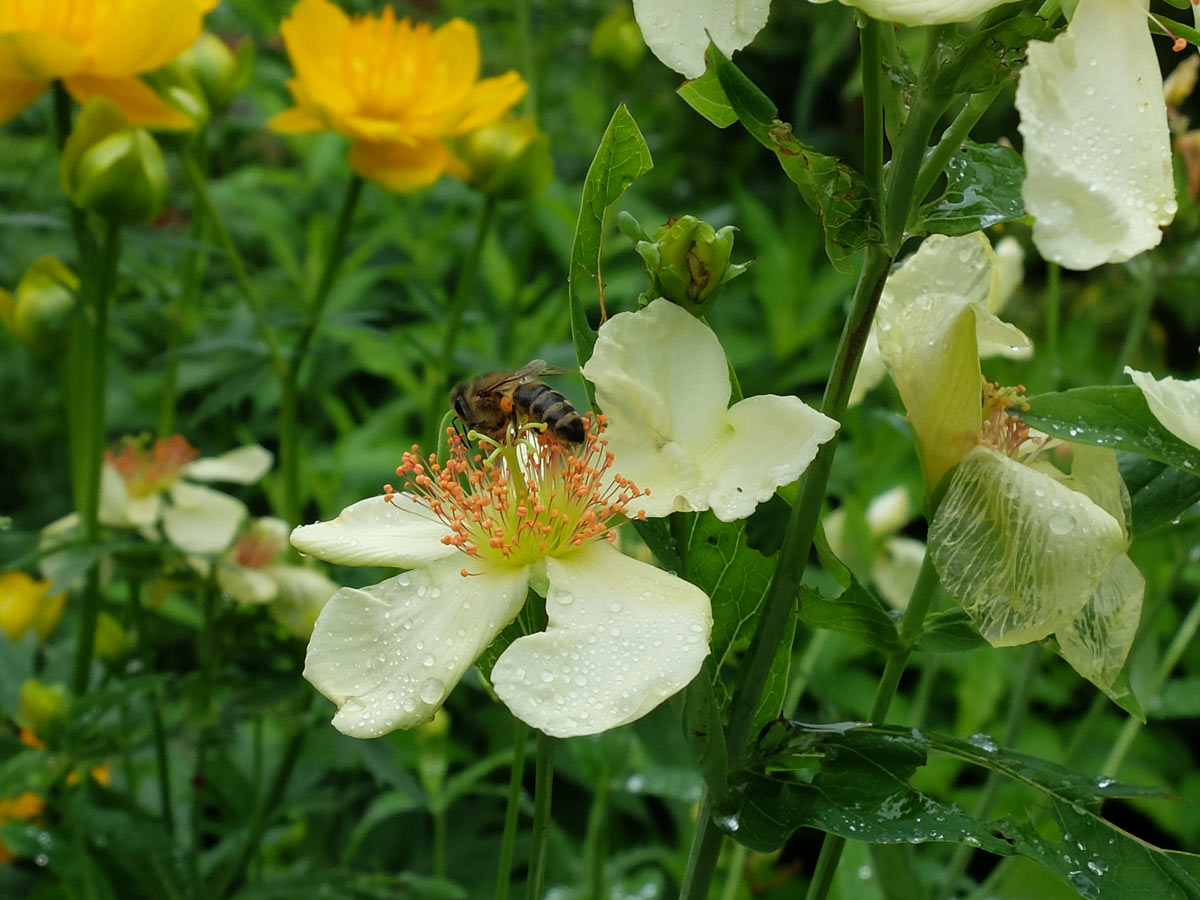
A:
[539,367]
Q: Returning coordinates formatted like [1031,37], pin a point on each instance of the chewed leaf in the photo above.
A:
[1098,639]
[1019,551]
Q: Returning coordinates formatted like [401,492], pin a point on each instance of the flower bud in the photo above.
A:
[40,312]
[687,260]
[41,706]
[218,70]
[508,159]
[112,643]
[618,40]
[24,605]
[112,169]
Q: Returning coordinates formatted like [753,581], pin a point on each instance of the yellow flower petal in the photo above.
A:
[37,56]
[399,167]
[16,95]
[313,35]
[295,121]
[491,99]
[141,106]
[139,37]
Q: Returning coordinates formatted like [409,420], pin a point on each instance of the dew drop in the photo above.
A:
[1062,523]
[431,690]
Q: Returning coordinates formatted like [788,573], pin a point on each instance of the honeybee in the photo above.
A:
[493,402]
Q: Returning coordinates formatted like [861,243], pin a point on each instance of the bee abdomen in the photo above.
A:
[544,404]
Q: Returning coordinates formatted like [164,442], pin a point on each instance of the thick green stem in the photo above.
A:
[951,140]
[92,379]
[870,39]
[910,629]
[513,811]
[539,833]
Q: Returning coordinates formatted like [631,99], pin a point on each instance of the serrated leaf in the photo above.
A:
[995,55]
[1110,416]
[621,158]
[983,188]
[855,613]
[832,189]
[706,96]
[1158,493]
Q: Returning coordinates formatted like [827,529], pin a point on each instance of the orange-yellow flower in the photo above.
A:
[95,47]
[25,807]
[396,88]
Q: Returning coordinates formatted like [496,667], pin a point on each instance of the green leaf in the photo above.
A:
[704,731]
[1158,492]
[621,158]
[950,631]
[832,189]
[983,188]
[852,779]
[1110,416]
[855,613]
[706,96]
[991,57]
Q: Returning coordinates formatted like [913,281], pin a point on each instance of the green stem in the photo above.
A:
[733,878]
[90,417]
[1017,708]
[594,855]
[910,629]
[289,393]
[1179,643]
[463,292]
[162,758]
[513,811]
[1143,300]
[702,858]
[870,40]
[439,841]
[539,834]
[900,184]
[951,140]
[1053,316]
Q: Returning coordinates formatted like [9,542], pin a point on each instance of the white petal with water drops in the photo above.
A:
[623,636]
[389,654]
[1176,404]
[677,31]
[1019,551]
[1097,148]
[923,12]
[373,532]
[201,520]
[245,465]
[1098,639]
[662,379]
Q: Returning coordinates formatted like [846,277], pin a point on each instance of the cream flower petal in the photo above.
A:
[251,586]
[388,655]
[678,31]
[1097,148]
[923,12]
[1097,641]
[1019,551]
[373,532]
[303,593]
[1176,404]
[623,636]
[662,380]
[871,368]
[201,520]
[245,465]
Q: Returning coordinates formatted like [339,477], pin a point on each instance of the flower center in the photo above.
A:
[534,497]
[1002,430]
[257,549]
[150,470]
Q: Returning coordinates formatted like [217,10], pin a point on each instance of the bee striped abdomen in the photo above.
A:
[541,403]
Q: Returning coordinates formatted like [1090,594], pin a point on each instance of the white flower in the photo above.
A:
[1176,404]
[1097,146]
[663,381]
[622,635]
[678,31]
[144,487]
[253,571]
[896,559]
[923,12]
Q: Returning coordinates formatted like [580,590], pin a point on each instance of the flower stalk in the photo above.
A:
[539,834]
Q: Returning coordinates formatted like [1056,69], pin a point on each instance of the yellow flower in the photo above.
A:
[25,807]
[95,47]
[24,605]
[397,89]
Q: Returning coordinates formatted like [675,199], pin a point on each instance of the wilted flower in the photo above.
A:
[26,604]
[1097,145]
[397,89]
[95,49]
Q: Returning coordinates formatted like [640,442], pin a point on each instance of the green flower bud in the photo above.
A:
[508,159]
[687,260]
[110,168]
[112,643]
[219,71]
[40,312]
[41,706]
[618,40]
